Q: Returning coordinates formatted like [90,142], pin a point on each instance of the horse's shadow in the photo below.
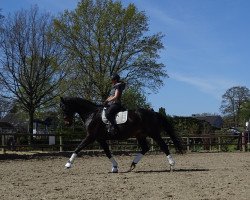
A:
[167,170]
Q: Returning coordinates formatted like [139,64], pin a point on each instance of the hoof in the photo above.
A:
[114,169]
[132,167]
[68,165]
[171,162]
[171,168]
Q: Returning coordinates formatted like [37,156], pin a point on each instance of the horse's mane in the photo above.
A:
[81,102]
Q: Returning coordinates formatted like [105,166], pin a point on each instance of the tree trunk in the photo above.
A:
[31,121]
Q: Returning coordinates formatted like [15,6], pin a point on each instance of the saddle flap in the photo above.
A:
[120,118]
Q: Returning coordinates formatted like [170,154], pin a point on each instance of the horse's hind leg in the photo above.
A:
[105,147]
[144,149]
[164,148]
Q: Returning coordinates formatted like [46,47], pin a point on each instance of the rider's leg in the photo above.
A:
[111,112]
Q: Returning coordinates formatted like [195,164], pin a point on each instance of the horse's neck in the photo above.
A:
[87,116]
[85,110]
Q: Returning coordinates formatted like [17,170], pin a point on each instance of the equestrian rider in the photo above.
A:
[114,102]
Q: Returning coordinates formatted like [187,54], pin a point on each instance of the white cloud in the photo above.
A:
[168,20]
[215,86]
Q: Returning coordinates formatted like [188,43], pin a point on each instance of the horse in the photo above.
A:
[140,124]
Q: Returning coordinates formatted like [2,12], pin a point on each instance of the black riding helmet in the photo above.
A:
[115,77]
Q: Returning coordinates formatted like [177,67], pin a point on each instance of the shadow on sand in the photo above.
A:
[162,171]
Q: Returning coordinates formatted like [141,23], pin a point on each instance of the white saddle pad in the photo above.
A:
[121,117]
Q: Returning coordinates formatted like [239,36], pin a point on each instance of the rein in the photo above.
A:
[87,117]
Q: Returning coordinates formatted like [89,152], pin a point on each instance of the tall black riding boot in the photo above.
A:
[114,129]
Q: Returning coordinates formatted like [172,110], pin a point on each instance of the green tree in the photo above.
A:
[245,111]
[133,99]
[101,37]
[162,111]
[232,102]
[191,125]
[30,60]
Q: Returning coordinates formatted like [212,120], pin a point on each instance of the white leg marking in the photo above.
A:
[114,165]
[171,160]
[71,160]
[137,158]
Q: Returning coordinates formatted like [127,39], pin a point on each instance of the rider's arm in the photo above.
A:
[116,96]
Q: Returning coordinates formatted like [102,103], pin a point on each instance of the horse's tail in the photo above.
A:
[167,125]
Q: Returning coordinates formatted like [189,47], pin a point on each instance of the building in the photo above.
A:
[18,123]
[215,120]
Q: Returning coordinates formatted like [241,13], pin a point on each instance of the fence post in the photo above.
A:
[243,142]
[248,141]
[3,144]
[210,144]
[61,143]
[194,148]
[188,147]
[152,144]
[219,143]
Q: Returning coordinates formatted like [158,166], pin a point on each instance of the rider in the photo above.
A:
[114,102]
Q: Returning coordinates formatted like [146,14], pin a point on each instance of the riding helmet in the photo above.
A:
[115,77]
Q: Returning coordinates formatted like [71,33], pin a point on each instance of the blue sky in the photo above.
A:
[207,48]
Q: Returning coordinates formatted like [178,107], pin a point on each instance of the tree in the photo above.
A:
[162,111]
[133,99]
[5,107]
[1,16]
[30,60]
[245,111]
[102,37]
[233,100]
[1,24]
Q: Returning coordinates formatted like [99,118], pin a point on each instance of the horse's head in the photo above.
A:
[68,113]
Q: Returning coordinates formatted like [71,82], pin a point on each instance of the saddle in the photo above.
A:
[120,118]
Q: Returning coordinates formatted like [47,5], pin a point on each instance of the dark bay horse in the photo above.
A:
[141,123]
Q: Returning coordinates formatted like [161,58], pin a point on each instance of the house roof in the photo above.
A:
[214,120]
[6,125]
[13,119]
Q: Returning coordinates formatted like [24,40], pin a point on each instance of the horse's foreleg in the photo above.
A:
[70,161]
[83,144]
[144,149]
[164,148]
[105,147]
